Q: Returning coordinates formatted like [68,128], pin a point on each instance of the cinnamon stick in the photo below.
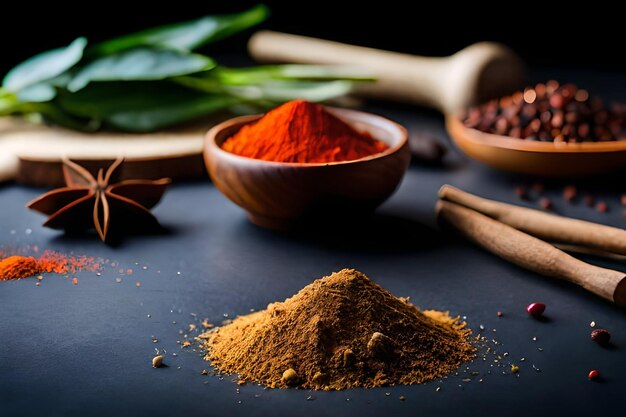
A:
[532,253]
[543,225]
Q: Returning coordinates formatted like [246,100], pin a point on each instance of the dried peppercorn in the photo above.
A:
[602,207]
[569,193]
[536,309]
[550,112]
[601,336]
[545,203]
[593,374]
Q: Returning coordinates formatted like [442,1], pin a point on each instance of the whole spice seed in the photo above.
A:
[545,203]
[536,309]
[623,200]
[602,207]
[589,200]
[601,336]
[593,374]
[157,361]
[521,192]
[327,334]
[550,113]
[569,193]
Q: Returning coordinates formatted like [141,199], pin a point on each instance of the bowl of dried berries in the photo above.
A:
[548,130]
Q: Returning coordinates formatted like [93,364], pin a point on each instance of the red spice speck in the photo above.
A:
[602,207]
[623,200]
[593,374]
[499,314]
[589,200]
[75,281]
[569,193]
[521,192]
[536,309]
[545,203]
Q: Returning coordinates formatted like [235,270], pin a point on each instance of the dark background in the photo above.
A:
[543,34]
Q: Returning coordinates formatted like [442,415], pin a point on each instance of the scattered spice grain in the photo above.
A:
[593,374]
[157,361]
[339,332]
[601,336]
[602,207]
[536,310]
[569,193]
[545,203]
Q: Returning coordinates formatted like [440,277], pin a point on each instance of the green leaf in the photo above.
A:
[140,64]
[186,36]
[44,66]
[141,106]
[279,91]
[166,115]
[37,93]
[255,75]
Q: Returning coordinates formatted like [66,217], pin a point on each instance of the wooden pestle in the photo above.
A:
[473,75]
[532,253]
[543,225]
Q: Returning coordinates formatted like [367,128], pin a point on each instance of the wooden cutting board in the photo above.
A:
[32,154]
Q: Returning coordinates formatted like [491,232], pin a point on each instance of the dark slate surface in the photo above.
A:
[85,350]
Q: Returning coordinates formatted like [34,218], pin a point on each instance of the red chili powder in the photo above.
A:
[16,267]
[300,131]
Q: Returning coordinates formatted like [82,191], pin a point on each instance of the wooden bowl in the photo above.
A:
[546,159]
[281,195]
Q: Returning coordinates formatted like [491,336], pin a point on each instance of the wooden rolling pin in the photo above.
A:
[475,74]
[543,225]
[532,253]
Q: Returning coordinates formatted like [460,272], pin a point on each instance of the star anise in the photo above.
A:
[89,202]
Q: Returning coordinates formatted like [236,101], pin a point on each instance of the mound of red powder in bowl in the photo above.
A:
[300,131]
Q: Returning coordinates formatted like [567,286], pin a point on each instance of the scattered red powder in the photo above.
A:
[16,267]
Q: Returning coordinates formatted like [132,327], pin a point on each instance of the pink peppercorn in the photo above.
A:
[602,207]
[499,314]
[593,374]
[545,203]
[601,336]
[536,309]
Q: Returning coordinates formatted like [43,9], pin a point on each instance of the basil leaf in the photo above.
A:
[169,114]
[280,91]
[186,36]
[141,106]
[44,66]
[253,75]
[36,93]
[140,64]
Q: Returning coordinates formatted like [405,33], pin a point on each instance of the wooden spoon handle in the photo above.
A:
[480,71]
[531,253]
[543,225]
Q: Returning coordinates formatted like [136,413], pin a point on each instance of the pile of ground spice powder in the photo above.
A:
[339,332]
[301,131]
[17,266]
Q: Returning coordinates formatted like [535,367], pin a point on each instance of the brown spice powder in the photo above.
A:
[340,332]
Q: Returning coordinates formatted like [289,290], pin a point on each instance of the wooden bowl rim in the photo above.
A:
[459,132]
[347,115]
